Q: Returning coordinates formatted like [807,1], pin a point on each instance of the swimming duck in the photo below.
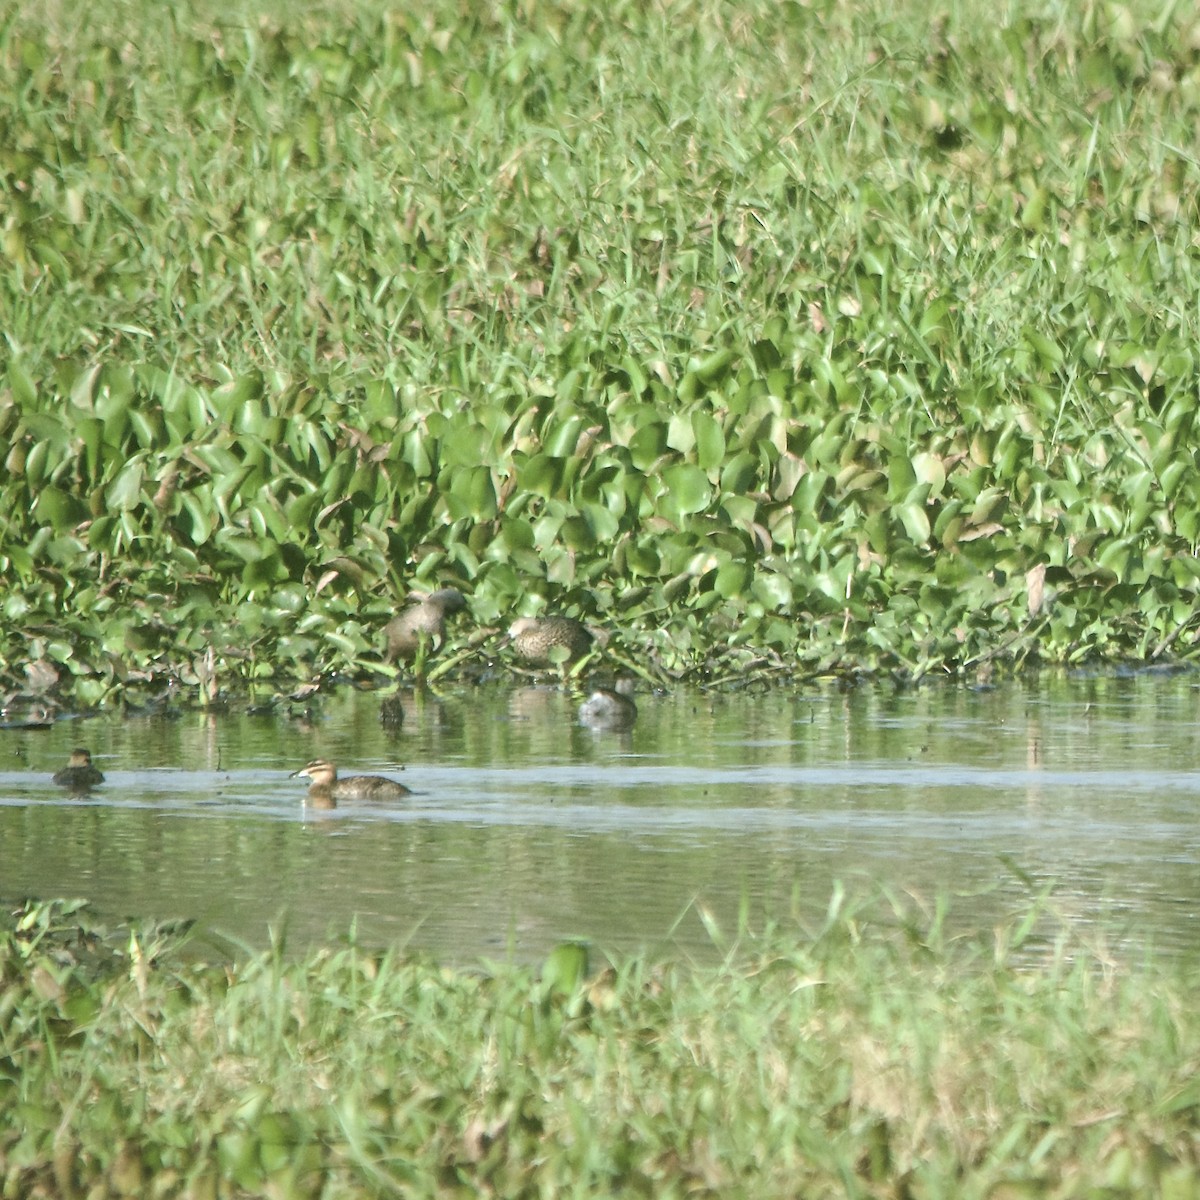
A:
[424,620]
[536,639]
[325,785]
[79,774]
[609,708]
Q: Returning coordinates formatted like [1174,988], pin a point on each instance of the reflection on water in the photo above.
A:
[526,828]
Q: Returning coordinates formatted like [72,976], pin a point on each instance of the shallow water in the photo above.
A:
[526,829]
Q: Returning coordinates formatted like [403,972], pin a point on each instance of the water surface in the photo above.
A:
[526,829]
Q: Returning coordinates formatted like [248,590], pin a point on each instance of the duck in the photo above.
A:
[610,708]
[422,621]
[79,774]
[325,786]
[549,641]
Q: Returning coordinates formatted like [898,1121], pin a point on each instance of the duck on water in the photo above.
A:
[610,708]
[326,788]
[79,774]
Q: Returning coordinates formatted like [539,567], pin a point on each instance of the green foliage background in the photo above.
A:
[799,336]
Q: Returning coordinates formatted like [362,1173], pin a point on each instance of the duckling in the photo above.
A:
[79,774]
[325,786]
[536,638]
[423,620]
[610,708]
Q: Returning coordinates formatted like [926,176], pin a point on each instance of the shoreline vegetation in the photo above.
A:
[780,340]
[872,1056]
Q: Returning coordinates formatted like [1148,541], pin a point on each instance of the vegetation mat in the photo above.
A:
[777,338]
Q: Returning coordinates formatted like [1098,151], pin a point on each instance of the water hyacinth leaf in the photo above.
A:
[929,469]
[83,390]
[902,476]
[687,488]
[290,598]
[419,451]
[542,475]
[742,511]
[772,590]
[64,551]
[709,441]
[715,366]
[648,445]
[267,522]
[21,383]
[1120,556]
[560,566]
[20,561]
[148,427]
[58,509]
[268,569]
[578,534]
[732,579]
[198,519]
[465,446]
[915,519]
[515,533]
[125,493]
[248,550]
[231,399]
[560,441]
[1187,524]
[37,464]
[740,474]
[301,509]
[90,431]
[642,559]
[681,434]
[472,494]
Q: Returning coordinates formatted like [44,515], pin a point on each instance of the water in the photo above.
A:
[527,829]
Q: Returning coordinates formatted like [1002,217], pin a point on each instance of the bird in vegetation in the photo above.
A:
[610,708]
[79,774]
[422,621]
[325,787]
[549,641]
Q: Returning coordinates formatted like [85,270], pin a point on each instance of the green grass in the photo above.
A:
[870,1057]
[797,338]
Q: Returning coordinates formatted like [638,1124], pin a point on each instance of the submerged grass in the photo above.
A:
[801,337]
[867,1058]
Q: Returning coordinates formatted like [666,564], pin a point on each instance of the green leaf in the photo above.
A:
[716,366]
[472,494]
[915,520]
[740,473]
[709,441]
[687,488]
[58,509]
[125,492]
[542,475]
[733,579]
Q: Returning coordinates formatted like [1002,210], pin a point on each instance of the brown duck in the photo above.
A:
[79,774]
[424,620]
[325,788]
[548,641]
